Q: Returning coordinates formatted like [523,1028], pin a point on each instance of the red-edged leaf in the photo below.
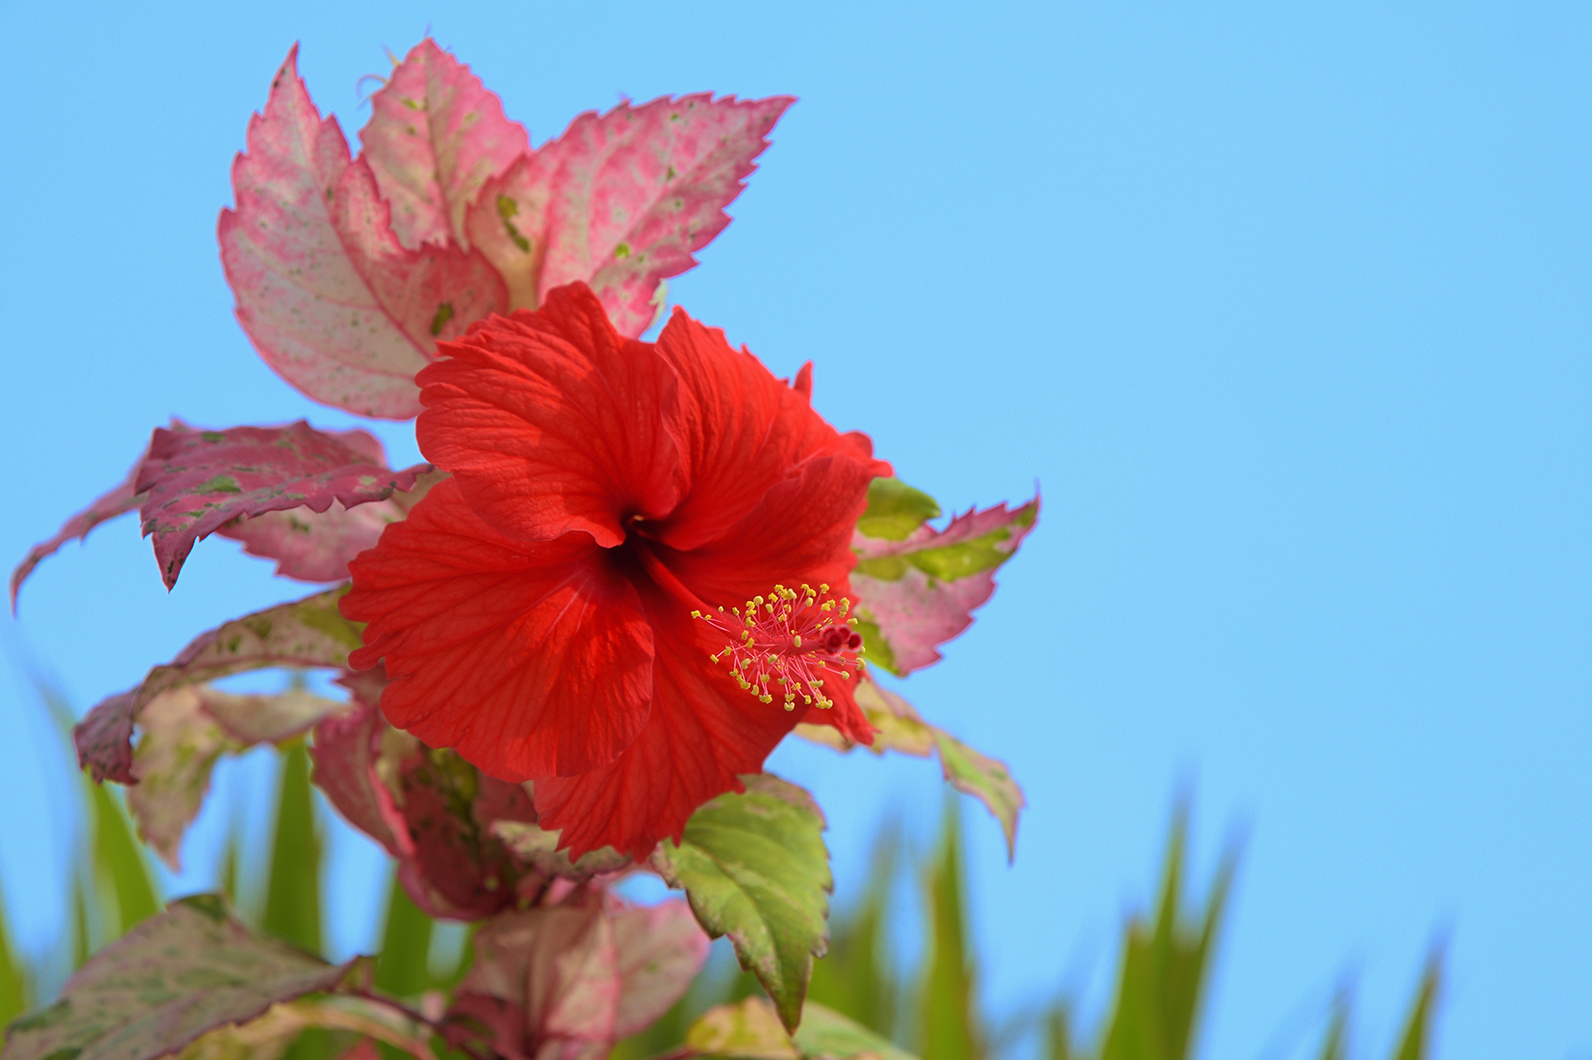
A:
[545,978]
[310,313]
[318,546]
[346,750]
[195,482]
[661,950]
[308,632]
[435,136]
[622,200]
[919,592]
[118,501]
[433,292]
[184,731]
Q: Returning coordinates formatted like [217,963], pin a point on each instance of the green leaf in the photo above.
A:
[755,868]
[270,1035]
[1335,1045]
[293,895]
[895,510]
[173,978]
[949,1021]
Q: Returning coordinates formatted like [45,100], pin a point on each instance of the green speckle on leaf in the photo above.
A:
[671,174]
[622,251]
[411,104]
[213,436]
[507,208]
[220,484]
[443,315]
[47,1018]
[211,905]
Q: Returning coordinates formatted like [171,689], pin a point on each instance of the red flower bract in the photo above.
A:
[535,609]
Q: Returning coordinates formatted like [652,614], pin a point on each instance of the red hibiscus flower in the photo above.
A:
[535,610]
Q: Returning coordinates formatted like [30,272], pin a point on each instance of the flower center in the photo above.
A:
[784,644]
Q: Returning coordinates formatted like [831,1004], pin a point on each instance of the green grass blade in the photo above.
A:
[1335,1045]
[401,968]
[1413,1044]
[293,891]
[13,978]
[119,861]
[948,1021]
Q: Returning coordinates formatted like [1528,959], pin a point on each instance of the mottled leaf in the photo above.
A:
[755,868]
[544,977]
[827,1035]
[305,633]
[195,482]
[190,970]
[899,727]
[918,590]
[661,949]
[435,136]
[118,501]
[622,200]
[318,546]
[185,730]
[895,510]
[346,751]
[270,1035]
[311,315]
[749,1029]
[537,847]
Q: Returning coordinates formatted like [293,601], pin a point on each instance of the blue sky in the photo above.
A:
[1284,306]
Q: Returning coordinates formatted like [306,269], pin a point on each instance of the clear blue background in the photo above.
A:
[1285,306]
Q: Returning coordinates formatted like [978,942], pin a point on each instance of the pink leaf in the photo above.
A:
[308,632]
[124,498]
[919,592]
[346,750]
[559,967]
[622,201]
[317,546]
[435,136]
[311,315]
[661,949]
[197,481]
[104,739]
[430,293]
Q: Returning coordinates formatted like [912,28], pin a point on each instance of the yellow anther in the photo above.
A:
[796,641]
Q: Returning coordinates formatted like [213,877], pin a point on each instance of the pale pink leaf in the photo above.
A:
[195,482]
[305,633]
[185,730]
[317,546]
[430,293]
[919,592]
[661,950]
[435,136]
[622,200]
[559,967]
[311,315]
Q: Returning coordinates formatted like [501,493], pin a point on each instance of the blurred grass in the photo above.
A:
[1164,963]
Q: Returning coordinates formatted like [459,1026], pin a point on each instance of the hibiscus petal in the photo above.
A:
[435,136]
[799,532]
[531,659]
[552,422]
[702,734]
[739,431]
